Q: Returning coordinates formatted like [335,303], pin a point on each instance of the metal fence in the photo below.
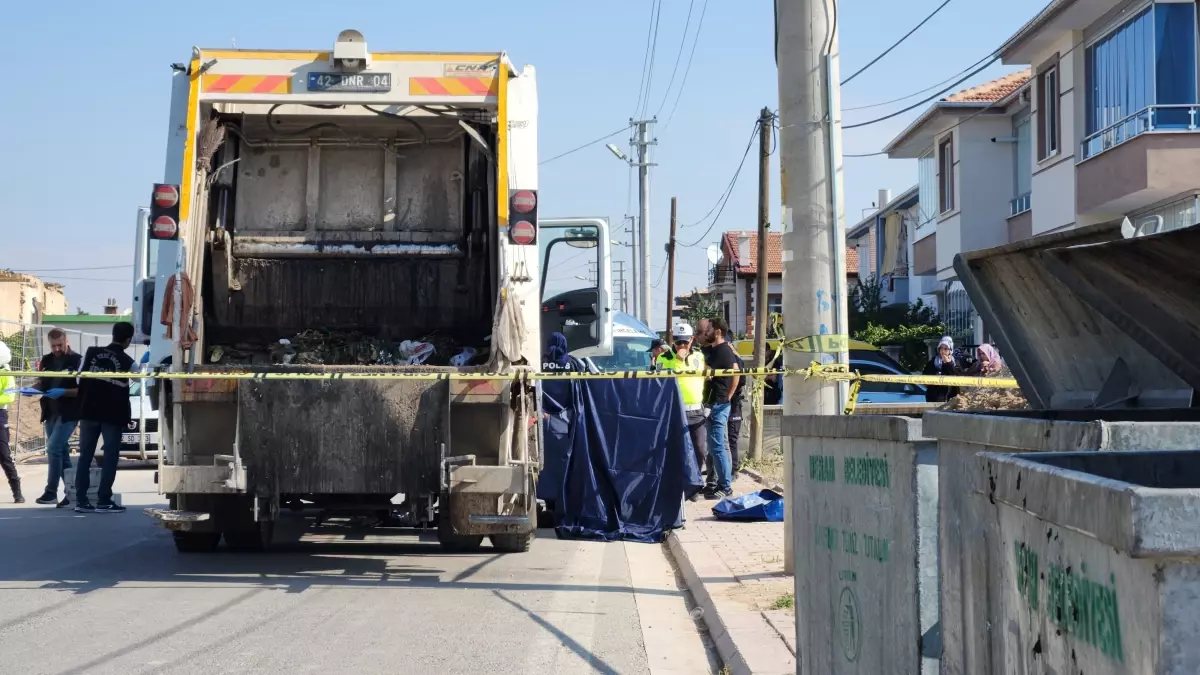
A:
[28,343]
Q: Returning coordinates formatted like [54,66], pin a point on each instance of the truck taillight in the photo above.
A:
[522,222]
[164,212]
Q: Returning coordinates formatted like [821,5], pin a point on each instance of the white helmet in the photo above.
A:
[681,331]
[5,355]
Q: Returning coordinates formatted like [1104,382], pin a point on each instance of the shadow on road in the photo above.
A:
[139,554]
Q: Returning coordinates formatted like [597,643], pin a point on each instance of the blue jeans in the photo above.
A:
[718,449]
[58,453]
[89,435]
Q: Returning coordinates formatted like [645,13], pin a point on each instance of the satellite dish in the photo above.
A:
[714,254]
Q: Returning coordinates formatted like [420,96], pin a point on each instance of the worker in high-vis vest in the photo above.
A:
[691,388]
[8,394]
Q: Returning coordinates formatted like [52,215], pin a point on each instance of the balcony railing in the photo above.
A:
[1019,205]
[1155,118]
[721,274]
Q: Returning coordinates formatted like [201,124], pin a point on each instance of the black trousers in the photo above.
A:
[735,432]
[6,460]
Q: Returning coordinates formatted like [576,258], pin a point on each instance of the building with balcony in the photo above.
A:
[884,242]
[732,280]
[974,188]
[1115,114]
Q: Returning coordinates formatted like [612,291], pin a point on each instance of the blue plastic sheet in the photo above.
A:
[762,505]
[617,458]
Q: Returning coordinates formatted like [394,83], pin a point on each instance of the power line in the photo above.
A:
[896,43]
[728,192]
[687,69]
[585,145]
[922,91]
[75,269]
[645,59]
[661,272]
[678,56]
[653,53]
[732,181]
[925,100]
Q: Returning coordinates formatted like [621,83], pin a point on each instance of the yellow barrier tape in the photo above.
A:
[832,372]
[852,398]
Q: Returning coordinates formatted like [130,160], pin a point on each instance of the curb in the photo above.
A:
[758,478]
[747,643]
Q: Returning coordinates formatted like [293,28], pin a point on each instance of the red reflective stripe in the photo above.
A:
[432,85]
[477,86]
[269,83]
[224,82]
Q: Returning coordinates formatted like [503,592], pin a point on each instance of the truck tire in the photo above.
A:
[196,542]
[456,543]
[250,537]
[512,543]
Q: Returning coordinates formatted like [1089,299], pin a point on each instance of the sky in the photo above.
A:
[85,123]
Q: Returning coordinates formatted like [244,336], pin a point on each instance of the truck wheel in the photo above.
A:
[196,542]
[251,537]
[456,543]
[512,543]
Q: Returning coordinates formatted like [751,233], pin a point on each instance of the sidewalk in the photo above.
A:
[735,573]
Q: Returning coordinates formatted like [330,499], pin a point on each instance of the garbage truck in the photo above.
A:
[359,230]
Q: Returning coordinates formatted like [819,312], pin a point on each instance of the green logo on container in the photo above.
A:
[849,624]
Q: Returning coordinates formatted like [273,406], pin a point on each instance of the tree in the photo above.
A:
[699,305]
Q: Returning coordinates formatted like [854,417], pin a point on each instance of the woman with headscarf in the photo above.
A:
[987,361]
[942,363]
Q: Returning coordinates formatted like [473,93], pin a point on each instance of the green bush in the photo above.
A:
[911,340]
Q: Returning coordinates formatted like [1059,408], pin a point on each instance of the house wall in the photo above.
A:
[988,181]
[18,294]
[1053,185]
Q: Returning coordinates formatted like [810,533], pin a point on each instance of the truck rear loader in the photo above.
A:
[339,213]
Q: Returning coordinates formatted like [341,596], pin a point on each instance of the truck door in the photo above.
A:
[576,283]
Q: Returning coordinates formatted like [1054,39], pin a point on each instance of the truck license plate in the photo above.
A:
[350,82]
[132,439]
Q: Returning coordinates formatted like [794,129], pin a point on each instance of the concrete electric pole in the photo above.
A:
[671,265]
[814,277]
[766,121]
[642,258]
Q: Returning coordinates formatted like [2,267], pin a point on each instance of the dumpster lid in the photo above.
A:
[1088,319]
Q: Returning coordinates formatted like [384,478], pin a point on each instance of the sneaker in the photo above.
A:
[695,497]
[84,507]
[46,499]
[63,504]
[109,508]
[717,495]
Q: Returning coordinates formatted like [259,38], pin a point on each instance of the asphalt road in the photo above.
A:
[107,593]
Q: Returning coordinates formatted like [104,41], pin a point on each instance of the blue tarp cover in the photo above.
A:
[617,459]
[761,505]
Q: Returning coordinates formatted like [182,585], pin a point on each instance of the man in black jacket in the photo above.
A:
[60,414]
[104,411]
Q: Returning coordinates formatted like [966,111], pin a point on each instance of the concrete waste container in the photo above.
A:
[1100,565]
[1095,329]
[864,497]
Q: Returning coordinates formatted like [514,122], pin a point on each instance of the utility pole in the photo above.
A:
[619,285]
[633,257]
[766,120]
[814,277]
[671,265]
[642,255]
